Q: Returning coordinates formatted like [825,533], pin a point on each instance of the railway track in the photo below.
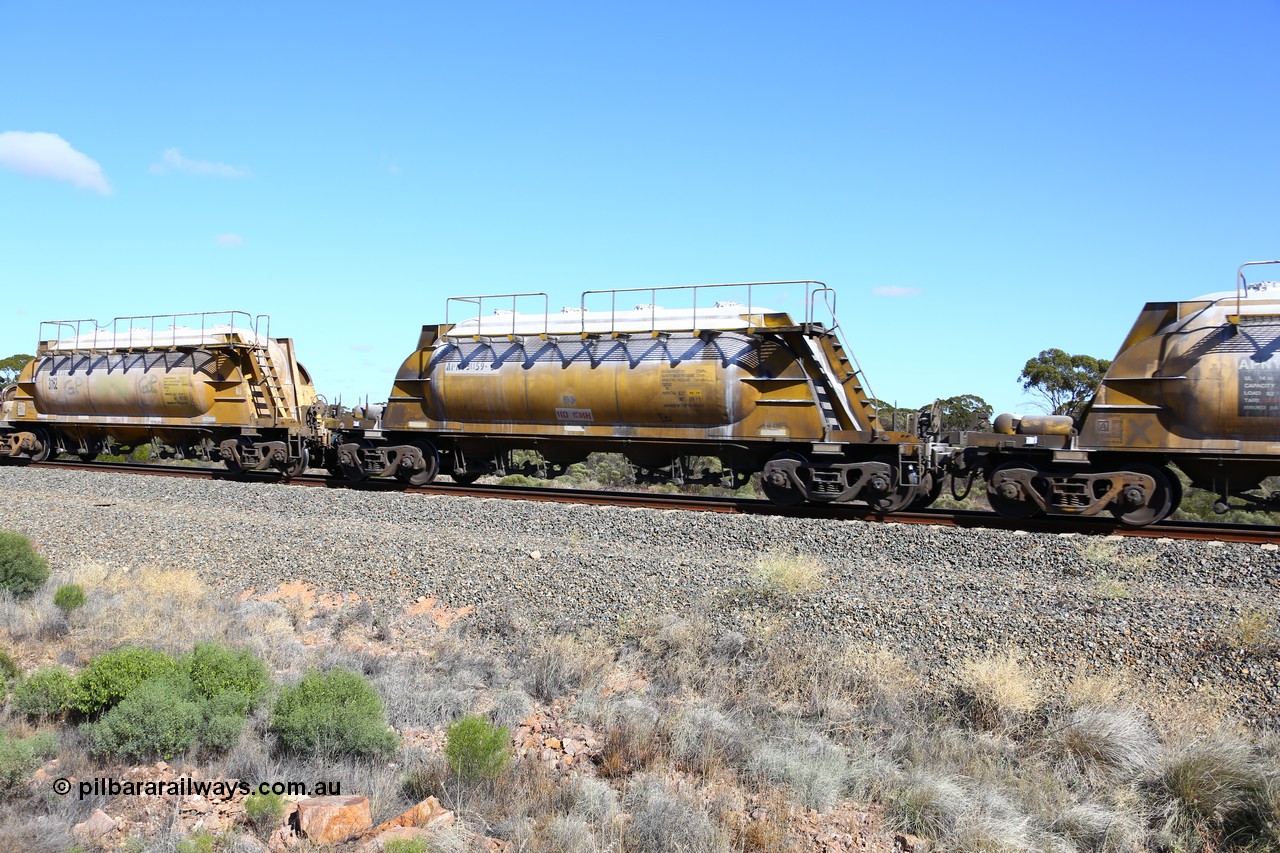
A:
[1197,530]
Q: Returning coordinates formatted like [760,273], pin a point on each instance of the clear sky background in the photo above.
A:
[979,181]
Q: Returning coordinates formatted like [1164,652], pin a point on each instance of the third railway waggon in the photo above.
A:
[1195,385]
[759,389]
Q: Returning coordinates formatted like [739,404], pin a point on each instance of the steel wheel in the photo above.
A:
[1157,505]
[466,478]
[927,492]
[424,471]
[1006,498]
[779,493]
[892,496]
[297,465]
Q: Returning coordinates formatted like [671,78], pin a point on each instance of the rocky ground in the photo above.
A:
[1172,614]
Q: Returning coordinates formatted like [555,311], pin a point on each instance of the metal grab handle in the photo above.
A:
[478,301]
[1242,285]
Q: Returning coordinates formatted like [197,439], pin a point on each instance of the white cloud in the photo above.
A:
[894,291]
[229,241]
[48,155]
[173,161]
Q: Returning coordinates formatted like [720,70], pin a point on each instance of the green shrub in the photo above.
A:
[19,757]
[336,713]
[477,749]
[200,841]
[265,811]
[217,671]
[8,670]
[224,718]
[22,570]
[406,845]
[69,596]
[111,676]
[521,480]
[47,692]
[161,717]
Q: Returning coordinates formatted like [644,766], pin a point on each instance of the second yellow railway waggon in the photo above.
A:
[760,390]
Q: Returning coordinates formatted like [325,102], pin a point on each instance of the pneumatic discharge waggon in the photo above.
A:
[1195,386]
[211,385]
[759,389]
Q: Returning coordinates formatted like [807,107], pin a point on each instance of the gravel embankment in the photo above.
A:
[935,593]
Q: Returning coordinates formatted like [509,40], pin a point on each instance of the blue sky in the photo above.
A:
[1020,175]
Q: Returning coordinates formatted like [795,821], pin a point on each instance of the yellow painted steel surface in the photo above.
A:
[675,386]
[165,388]
[1193,376]
[118,385]
[653,393]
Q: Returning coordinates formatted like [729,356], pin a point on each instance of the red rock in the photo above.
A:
[328,820]
[283,839]
[427,815]
[98,826]
[39,779]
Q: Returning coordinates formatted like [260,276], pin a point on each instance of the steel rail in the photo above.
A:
[970,519]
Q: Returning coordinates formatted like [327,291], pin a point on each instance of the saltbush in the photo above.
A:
[217,671]
[22,570]
[336,713]
[224,719]
[265,811]
[69,596]
[477,749]
[47,692]
[406,845]
[111,676]
[19,757]
[159,718]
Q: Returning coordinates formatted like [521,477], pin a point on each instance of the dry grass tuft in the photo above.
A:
[1105,691]
[786,576]
[997,690]
[1212,792]
[1254,631]
[704,739]
[663,821]
[163,608]
[814,771]
[1106,555]
[1108,745]
[563,665]
[928,805]
[631,738]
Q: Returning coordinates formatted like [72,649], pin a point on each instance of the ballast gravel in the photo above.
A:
[1165,611]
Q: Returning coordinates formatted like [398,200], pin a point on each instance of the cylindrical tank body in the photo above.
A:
[675,381]
[1010,424]
[1210,365]
[158,384]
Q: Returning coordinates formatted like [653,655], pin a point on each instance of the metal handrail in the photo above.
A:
[812,288]
[478,301]
[1242,285]
[79,328]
